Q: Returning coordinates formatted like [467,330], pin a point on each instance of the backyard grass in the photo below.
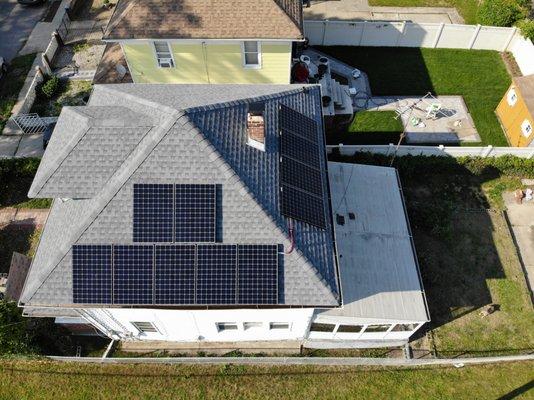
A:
[369,127]
[466,254]
[71,93]
[467,8]
[49,380]
[11,84]
[16,176]
[478,75]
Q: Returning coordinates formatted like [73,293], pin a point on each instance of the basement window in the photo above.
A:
[226,326]
[251,54]
[511,97]
[349,328]
[252,325]
[164,54]
[256,126]
[144,327]
[278,325]
[526,128]
[316,327]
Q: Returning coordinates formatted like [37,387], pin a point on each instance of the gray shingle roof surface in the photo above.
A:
[205,143]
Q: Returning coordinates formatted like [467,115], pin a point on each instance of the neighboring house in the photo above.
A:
[209,213]
[516,112]
[202,41]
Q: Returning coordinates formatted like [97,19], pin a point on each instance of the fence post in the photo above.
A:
[401,33]
[487,151]
[474,37]
[390,147]
[438,35]
[325,24]
[509,41]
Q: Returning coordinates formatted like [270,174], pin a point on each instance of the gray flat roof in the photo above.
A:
[378,266]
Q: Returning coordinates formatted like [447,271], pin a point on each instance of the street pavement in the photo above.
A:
[16,24]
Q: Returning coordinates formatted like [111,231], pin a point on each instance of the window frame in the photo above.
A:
[225,326]
[526,128]
[244,53]
[279,326]
[252,325]
[158,64]
[139,326]
[511,97]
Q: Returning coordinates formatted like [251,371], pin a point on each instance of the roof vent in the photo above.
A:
[256,126]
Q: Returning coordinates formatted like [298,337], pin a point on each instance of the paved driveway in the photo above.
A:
[16,24]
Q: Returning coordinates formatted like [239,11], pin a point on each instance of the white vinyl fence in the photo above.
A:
[451,151]
[433,35]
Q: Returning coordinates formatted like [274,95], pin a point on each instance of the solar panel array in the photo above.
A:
[203,274]
[167,213]
[301,183]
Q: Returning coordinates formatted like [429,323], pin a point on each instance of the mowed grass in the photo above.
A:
[49,380]
[478,75]
[369,127]
[467,8]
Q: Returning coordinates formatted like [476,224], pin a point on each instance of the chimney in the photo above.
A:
[256,126]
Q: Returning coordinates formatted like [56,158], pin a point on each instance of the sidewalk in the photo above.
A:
[21,146]
[359,10]
[23,217]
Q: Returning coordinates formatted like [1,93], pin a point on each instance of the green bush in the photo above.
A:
[500,12]
[526,26]
[50,86]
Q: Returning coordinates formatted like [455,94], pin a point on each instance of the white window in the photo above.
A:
[226,326]
[526,128]
[164,54]
[278,325]
[251,54]
[252,325]
[144,327]
[511,97]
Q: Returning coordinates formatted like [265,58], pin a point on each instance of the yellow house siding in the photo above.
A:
[512,118]
[222,63]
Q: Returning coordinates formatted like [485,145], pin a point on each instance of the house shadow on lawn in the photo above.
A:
[453,230]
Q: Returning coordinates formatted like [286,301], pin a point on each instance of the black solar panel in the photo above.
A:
[257,274]
[153,213]
[302,206]
[91,274]
[216,274]
[301,176]
[174,274]
[298,123]
[132,274]
[195,213]
[299,149]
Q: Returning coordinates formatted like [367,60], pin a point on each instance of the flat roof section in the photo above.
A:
[377,261]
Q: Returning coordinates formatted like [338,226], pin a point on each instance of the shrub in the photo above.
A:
[526,26]
[50,86]
[500,12]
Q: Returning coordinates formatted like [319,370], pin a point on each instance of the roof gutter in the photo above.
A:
[200,40]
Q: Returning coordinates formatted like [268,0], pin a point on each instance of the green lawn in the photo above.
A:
[466,254]
[11,84]
[369,127]
[478,75]
[48,380]
[467,8]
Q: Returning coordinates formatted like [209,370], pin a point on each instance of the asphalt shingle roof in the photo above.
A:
[206,19]
[176,133]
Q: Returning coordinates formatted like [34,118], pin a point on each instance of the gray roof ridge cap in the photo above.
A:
[41,179]
[119,178]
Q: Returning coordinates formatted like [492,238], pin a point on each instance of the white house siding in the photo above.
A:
[201,325]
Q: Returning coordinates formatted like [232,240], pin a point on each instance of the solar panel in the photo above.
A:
[298,123]
[216,274]
[303,206]
[132,274]
[299,149]
[195,213]
[91,274]
[301,176]
[153,213]
[257,274]
[174,274]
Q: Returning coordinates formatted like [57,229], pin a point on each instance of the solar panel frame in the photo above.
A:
[153,213]
[92,274]
[298,149]
[257,274]
[174,274]
[216,279]
[298,123]
[133,274]
[301,176]
[195,213]
[303,206]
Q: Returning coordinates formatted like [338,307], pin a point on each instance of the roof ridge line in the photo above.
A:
[115,183]
[62,156]
[111,25]
[298,24]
